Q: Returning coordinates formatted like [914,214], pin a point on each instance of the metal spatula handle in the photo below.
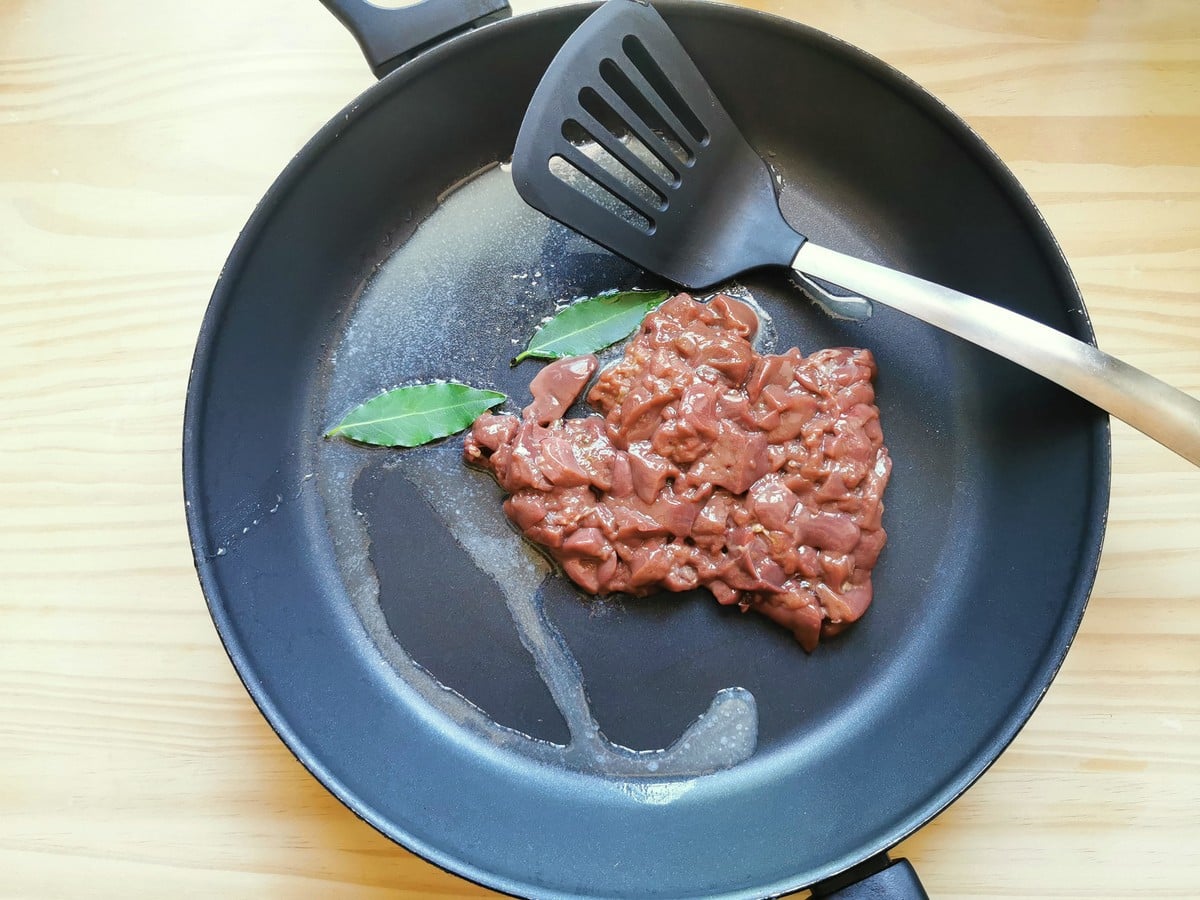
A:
[1158,410]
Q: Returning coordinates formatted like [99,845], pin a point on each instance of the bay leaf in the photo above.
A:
[591,325]
[416,414]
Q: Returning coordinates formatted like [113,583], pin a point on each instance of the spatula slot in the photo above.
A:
[644,109]
[587,186]
[629,186]
[599,109]
[657,79]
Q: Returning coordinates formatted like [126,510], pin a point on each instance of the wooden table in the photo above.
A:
[135,139]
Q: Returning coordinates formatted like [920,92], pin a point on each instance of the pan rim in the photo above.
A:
[225,291]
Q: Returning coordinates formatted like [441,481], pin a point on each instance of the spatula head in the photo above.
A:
[625,142]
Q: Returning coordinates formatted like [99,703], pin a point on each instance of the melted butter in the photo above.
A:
[450,303]
[466,503]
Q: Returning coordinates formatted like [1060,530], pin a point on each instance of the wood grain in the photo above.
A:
[134,141]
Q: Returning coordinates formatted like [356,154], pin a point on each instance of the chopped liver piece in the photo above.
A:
[759,477]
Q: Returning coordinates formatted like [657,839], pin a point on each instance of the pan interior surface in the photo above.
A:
[381,613]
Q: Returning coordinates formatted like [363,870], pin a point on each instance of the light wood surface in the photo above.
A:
[135,139]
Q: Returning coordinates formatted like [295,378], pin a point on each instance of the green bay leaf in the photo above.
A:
[416,414]
[591,325]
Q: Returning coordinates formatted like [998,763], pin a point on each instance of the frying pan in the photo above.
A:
[466,701]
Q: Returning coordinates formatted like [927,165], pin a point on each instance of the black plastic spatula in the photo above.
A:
[625,142]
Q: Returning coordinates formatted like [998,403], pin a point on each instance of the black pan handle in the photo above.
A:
[879,878]
[391,37]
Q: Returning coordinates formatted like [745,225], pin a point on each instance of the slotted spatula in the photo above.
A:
[625,142]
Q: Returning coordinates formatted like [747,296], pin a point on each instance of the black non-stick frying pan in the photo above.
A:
[399,636]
